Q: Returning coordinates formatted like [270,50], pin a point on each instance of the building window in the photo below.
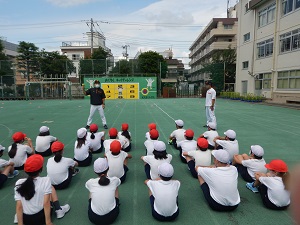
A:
[288,79]
[267,15]
[228,26]
[245,65]
[265,48]
[290,41]
[289,6]
[263,81]
[247,37]
[75,57]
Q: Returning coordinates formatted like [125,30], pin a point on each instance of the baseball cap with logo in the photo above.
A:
[100,165]
[153,134]
[179,123]
[113,132]
[212,125]
[166,170]
[277,165]
[81,132]
[202,143]
[115,147]
[221,155]
[189,133]
[44,129]
[124,126]
[151,126]
[159,146]
[33,163]
[57,146]
[18,136]
[2,148]
[93,127]
[230,134]
[257,150]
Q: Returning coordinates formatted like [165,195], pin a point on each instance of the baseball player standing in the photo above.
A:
[210,103]
[97,99]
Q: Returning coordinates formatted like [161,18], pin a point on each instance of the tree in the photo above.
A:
[28,58]
[123,67]
[152,63]
[5,67]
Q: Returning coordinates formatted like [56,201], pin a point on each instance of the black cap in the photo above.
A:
[208,83]
[96,82]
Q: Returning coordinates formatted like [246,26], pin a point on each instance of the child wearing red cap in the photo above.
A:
[60,169]
[18,151]
[113,135]
[82,150]
[125,137]
[105,188]
[201,157]
[44,141]
[151,126]
[95,138]
[8,169]
[273,186]
[117,161]
[149,143]
[35,195]
[186,145]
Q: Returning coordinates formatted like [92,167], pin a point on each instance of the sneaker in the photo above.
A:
[205,126]
[251,187]
[170,142]
[76,171]
[61,212]
[15,219]
[105,126]
[87,127]
[14,174]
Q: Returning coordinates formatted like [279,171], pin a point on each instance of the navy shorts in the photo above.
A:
[244,173]
[3,179]
[160,217]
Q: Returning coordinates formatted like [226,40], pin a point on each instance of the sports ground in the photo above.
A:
[275,129]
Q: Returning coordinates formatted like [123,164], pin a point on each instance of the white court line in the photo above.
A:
[164,112]
[10,132]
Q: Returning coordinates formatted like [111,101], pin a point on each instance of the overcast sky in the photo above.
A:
[143,24]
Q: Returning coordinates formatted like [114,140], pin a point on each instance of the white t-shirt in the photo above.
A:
[178,134]
[164,192]
[149,144]
[276,192]
[116,164]
[21,155]
[42,186]
[147,136]
[210,135]
[43,143]
[187,145]
[81,153]
[210,95]
[95,143]
[58,172]
[155,163]
[202,158]
[102,197]
[254,165]
[232,147]
[222,183]
[106,144]
[124,141]
[3,163]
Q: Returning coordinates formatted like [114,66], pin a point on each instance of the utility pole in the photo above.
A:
[92,34]
[227,10]
[125,54]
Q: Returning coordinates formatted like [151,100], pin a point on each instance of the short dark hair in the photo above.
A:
[165,178]
[189,138]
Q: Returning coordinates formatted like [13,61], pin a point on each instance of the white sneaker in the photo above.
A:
[15,219]
[61,212]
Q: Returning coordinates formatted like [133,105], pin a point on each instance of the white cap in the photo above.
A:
[100,165]
[257,150]
[221,155]
[159,146]
[44,129]
[166,170]
[2,148]
[179,123]
[230,133]
[81,132]
[212,125]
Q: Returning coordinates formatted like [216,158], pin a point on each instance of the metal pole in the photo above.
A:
[92,37]
[224,75]
[159,80]
[2,86]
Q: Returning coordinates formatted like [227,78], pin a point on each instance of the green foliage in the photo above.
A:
[123,67]
[2,55]
[149,62]
[247,97]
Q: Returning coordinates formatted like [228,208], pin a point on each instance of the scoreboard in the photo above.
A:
[121,90]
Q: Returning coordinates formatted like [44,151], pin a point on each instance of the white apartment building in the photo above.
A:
[268,49]
[220,33]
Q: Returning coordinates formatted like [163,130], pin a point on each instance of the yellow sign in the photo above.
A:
[121,90]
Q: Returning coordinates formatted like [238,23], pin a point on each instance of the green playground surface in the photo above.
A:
[275,129]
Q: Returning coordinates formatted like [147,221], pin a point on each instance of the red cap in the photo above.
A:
[153,134]
[189,133]
[152,126]
[115,146]
[93,127]
[202,143]
[34,163]
[57,146]
[277,165]
[125,126]
[18,136]
[113,132]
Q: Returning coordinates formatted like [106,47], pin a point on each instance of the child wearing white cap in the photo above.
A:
[210,134]
[164,190]
[219,183]
[178,134]
[8,169]
[106,189]
[187,145]
[82,150]
[228,143]
[248,165]
[149,143]
[152,162]
[43,142]
[95,138]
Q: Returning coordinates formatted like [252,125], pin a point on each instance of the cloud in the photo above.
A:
[68,3]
